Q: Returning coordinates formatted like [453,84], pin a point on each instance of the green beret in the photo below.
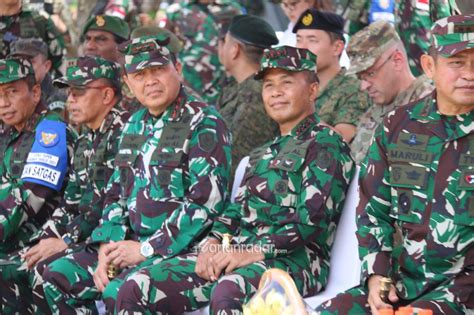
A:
[144,52]
[83,70]
[175,45]
[253,31]
[107,23]
[453,34]
[14,69]
[287,58]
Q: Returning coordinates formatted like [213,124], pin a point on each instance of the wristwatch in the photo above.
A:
[67,240]
[146,250]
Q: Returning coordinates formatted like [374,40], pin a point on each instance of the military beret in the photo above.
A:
[313,19]
[146,51]
[108,23]
[83,70]
[367,45]
[453,34]
[253,31]
[287,58]
[175,45]
[28,47]
[14,69]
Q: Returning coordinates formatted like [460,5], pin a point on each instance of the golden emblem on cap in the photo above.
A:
[99,20]
[307,19]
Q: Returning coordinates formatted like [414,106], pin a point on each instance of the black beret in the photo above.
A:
[253,30]
[313,19]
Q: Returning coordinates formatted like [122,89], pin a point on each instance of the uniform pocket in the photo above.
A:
[464,208]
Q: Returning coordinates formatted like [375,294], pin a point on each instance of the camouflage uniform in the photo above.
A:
[27,24]
[415,216]
[169,182]
[342,101]
[245,116]
[371,119]
[288,205]
[197,25]
[355,14]
[27,203]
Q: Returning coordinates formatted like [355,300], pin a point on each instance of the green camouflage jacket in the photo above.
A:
[170,178]
[416,212]
[342,101]
[291,199]
[93,164]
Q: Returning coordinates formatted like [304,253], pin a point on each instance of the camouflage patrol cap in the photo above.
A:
[367,45]
[14,69]
[143,52]
[107,23]
[287,58]
[175,45]
[28,47]
[453,34]
[83,70]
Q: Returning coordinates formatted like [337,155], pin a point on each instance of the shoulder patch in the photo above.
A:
[207,141]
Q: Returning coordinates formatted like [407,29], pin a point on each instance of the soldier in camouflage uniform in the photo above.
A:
[169,182]
[196,24]
[340,102]
[18,23]
[36,51]
[379,59]
[415,216]
[35,144]
[284,216]
[242,106]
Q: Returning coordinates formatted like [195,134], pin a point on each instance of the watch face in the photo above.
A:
[67,240]
[146,249]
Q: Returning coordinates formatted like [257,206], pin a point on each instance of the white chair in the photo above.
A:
[239,176]
[344,272]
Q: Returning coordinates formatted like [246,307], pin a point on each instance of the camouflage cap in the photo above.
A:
[143,52]
[287,58]
[367,45]
[14,69]
[28,47]
[175,45]
[453,34]
[83,70]
[107,23]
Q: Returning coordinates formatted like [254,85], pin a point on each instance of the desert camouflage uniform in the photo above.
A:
[246,118]
[342,101]
[198,26]
[416,212]
[371,119]
[31,24]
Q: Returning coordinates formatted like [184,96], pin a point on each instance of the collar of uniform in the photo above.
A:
[40,111]
[175,111]
[334,82]
[107,122]
[426,109]
[306,124]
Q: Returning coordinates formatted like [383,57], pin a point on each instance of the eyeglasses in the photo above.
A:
[80,91]
[290,6]
[367,75]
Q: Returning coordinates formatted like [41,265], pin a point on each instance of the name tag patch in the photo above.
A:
[44,158]
[42,173]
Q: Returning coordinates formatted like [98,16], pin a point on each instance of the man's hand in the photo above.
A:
[44,249]
[100,274]
[204,268]
[229,259]
[375,302]
[124,254]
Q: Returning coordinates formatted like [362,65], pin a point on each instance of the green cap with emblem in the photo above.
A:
[287,58]
[83,70]
[453,34]
[143,52]
[107,23]
[14,69]
[367,45]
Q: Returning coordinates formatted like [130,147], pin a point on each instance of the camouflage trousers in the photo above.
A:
[155,286]
[442,300]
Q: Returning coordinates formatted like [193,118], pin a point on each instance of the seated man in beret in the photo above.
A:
[169,182]
[340,102]
[284,216]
